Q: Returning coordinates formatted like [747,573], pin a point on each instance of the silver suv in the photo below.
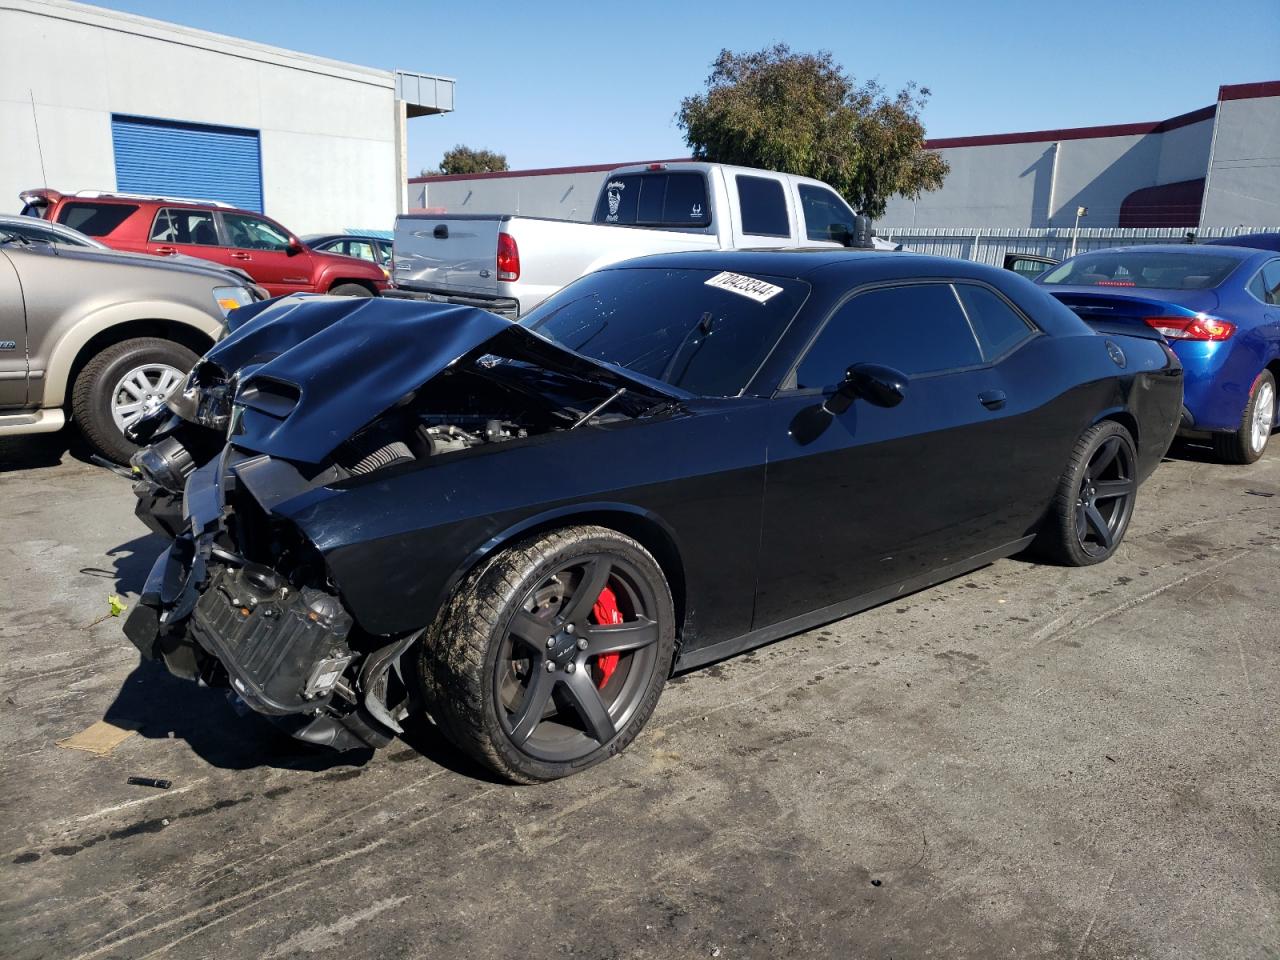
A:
[100,337]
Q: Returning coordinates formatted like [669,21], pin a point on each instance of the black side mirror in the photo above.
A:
[882,386]
[294,248]
[858,235]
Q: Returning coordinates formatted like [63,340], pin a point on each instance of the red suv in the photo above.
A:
[274,257]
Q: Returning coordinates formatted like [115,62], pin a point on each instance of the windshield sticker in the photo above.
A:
[696,212]
[614,190]
[749,287]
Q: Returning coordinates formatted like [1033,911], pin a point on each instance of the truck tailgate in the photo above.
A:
[456,252]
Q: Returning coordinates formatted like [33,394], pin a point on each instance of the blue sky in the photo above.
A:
[552,84]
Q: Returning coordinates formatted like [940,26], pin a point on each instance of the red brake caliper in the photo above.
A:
[605,613]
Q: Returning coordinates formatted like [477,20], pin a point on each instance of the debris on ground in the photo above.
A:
[98,738]
[157,782]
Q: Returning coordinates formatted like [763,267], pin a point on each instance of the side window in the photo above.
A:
[178,225]
[827,218]
[916,329]
[95,219]
[250,233]
[360,248]
[763,206]
[1271,281]
[998,327]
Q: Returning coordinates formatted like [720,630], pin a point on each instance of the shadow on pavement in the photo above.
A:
[42,450]
[160,706]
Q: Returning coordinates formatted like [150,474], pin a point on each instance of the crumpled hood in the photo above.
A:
[313,370]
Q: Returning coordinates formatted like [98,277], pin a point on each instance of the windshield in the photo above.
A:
[704,331]
[1148,269]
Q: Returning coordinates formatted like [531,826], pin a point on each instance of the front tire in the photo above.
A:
[1094,500]
[350,290]
[1248,442]
[120,385]
[551,658]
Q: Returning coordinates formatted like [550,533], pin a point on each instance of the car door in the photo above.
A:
[765,219]
[262,249]
[187,231]
[826,220]
[13,337]
[875,496]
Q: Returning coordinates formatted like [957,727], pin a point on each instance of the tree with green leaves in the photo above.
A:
[801,113]
[463,159]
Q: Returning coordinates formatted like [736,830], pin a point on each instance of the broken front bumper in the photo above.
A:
[289,652]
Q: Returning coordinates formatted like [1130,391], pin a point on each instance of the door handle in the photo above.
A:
[441,232]
[238,255]
[992,399]
[165,251]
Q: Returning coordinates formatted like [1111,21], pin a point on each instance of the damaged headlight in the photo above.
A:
[205,403]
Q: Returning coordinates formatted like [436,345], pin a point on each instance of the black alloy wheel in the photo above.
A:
[1104,500]
[1094,502]
[552,658]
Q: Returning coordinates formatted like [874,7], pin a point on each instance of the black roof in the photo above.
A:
[819,266]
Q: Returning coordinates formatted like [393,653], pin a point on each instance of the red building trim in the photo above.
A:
[1249,91]
[1076,133]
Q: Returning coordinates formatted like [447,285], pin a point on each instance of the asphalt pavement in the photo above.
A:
[1026,761]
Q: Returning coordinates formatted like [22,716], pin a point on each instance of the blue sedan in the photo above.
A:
[1219,309]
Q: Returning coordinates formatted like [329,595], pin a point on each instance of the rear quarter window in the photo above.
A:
[95,219]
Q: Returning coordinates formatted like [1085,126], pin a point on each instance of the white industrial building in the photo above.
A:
[1216,167]
[93,99]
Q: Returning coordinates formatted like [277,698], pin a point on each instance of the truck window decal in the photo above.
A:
[749,287]
[614,189]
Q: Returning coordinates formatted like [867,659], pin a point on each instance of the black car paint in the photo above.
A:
[767,514]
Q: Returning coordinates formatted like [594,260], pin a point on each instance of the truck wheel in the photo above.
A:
[1247,443]
[349,290]
[1090,511]
[120,385]
[552,657]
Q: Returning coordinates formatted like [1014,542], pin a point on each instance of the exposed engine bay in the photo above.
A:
[275,414]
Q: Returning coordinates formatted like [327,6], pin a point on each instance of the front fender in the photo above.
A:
[81,330]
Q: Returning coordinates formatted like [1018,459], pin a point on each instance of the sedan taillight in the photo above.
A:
[1199,327]
[508,258]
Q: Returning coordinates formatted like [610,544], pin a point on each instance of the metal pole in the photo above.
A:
[1075,233]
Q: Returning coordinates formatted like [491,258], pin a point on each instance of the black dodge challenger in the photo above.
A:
[380,508]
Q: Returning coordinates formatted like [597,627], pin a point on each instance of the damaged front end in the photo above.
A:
[275,633]
[309,398]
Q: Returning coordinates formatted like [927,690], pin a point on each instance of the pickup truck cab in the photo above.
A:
[509,264]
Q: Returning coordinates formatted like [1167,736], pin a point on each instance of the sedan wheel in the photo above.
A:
[552,658]
[1247,443]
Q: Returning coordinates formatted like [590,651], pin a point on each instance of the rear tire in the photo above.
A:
[1247,443]
[100,384]
[1094,500]
[350,290]
[515,670]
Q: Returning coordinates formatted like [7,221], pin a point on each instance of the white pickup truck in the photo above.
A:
[509,264]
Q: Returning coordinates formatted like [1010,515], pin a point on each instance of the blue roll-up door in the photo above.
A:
[170,159]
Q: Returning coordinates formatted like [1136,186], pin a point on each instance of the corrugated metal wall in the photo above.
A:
[171,159]
[990,246]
